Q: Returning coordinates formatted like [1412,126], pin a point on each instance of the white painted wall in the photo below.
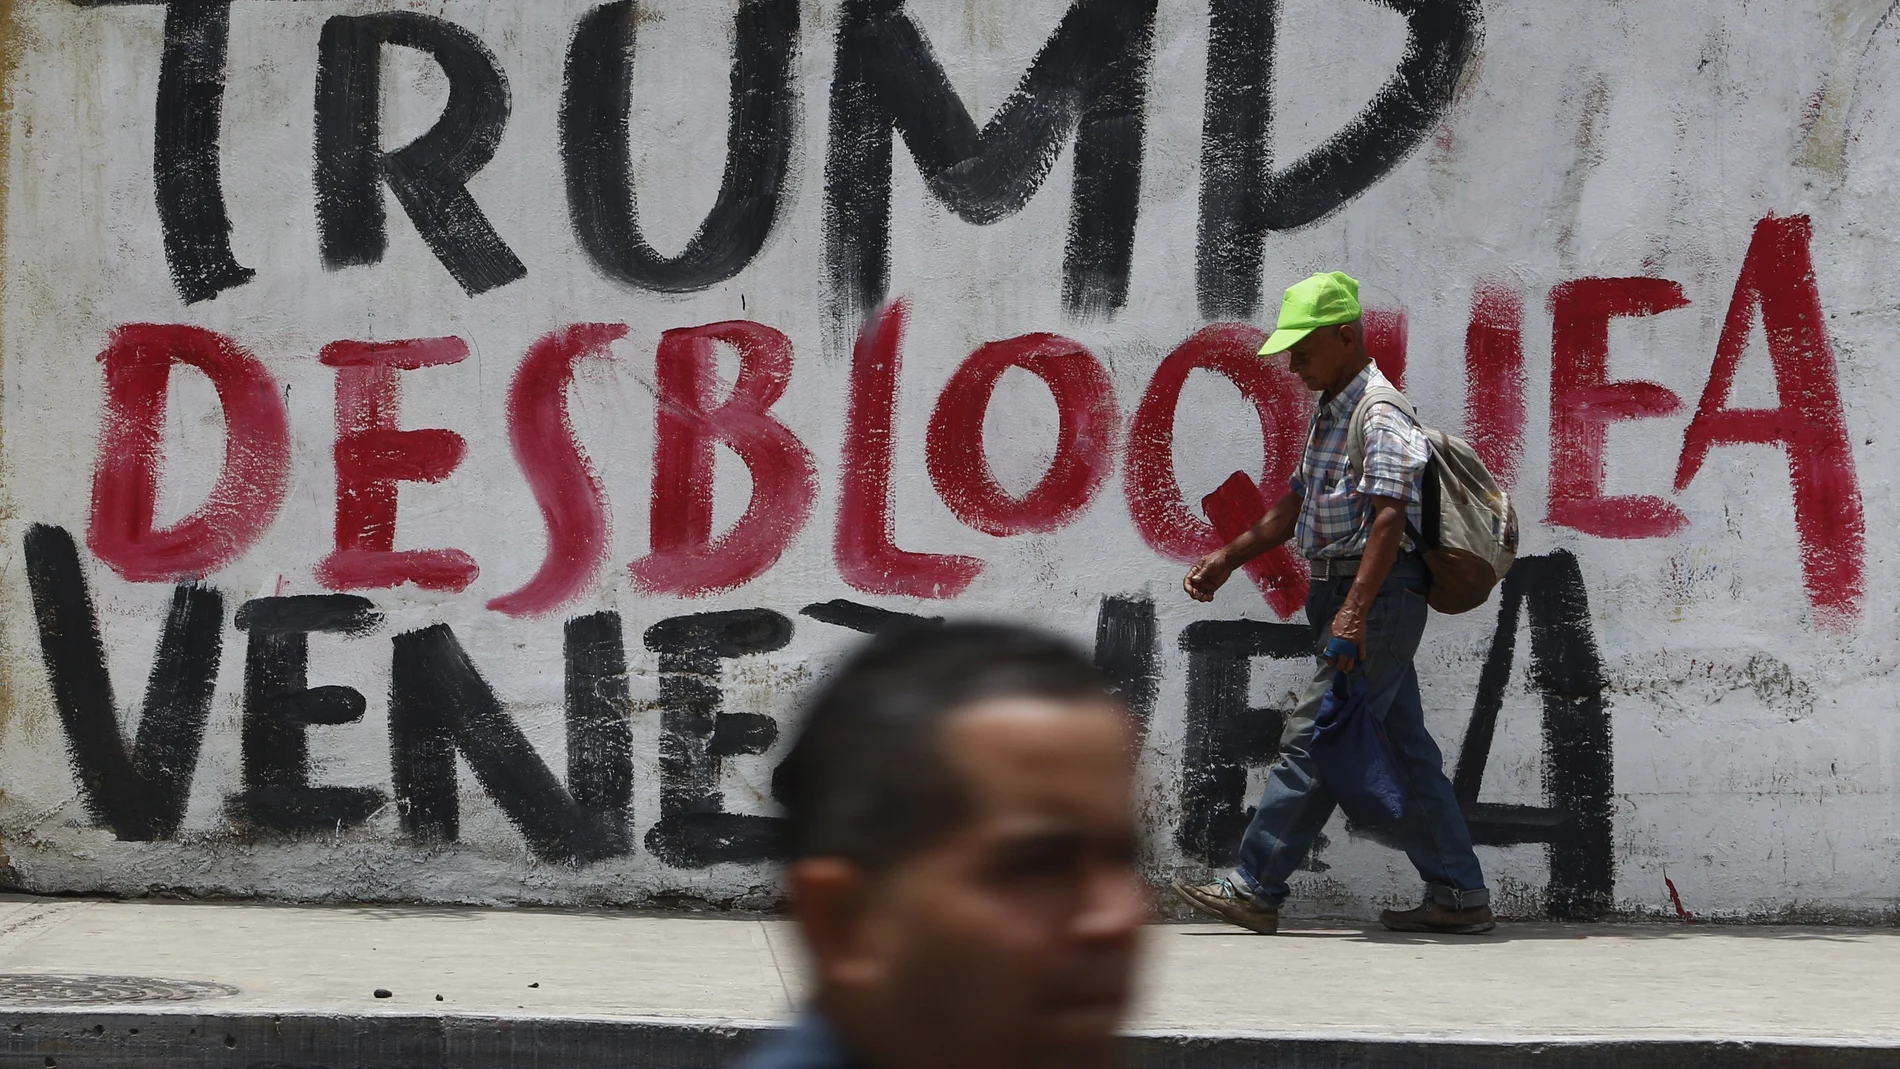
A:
[1756,754]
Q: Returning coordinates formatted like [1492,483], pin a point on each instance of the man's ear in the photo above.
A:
[1348,334]
[829,899]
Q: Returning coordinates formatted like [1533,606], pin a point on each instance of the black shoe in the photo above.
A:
[1222,900]
[1432,917]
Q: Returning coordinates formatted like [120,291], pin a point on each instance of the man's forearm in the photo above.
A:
[1273,530]
[1381,552]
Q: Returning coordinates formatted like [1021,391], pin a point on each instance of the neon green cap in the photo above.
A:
[1324,300]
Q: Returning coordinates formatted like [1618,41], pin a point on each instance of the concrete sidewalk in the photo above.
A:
[281,985]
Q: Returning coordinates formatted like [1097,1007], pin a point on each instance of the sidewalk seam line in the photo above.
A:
[21,931]
[785,989]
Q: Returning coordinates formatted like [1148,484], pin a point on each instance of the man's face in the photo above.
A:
[1321,358]
[1013,941]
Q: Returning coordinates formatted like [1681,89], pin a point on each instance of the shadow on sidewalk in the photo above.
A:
[1508,932]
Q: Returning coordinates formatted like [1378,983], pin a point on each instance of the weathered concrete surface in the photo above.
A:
[1689,679]
[98,1040]
[671,990]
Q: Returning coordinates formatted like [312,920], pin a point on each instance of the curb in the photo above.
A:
[92,1039]
[1180,1050]
[155,1040]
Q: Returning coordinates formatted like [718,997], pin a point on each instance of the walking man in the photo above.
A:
[1368,589]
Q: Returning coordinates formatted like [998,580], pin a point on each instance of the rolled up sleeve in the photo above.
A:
[1396,454]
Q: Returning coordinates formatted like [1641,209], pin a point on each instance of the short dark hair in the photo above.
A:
[867,778]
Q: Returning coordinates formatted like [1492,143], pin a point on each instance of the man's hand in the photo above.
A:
[1349,623]
[1208,575]
[1382,549]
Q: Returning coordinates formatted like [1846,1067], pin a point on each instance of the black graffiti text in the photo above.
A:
[1087,87]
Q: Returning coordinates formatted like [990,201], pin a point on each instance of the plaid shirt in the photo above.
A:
[1336,514]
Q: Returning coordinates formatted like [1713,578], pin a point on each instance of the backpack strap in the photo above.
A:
[1376,394]
[1379,394]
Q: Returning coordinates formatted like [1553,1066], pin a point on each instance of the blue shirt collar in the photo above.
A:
[810,1043]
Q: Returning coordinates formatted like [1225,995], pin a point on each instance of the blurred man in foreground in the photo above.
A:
[963,871]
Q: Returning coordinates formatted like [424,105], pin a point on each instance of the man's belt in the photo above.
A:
[1334,567]
[1345,567]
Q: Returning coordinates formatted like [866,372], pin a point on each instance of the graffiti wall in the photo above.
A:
[441,440]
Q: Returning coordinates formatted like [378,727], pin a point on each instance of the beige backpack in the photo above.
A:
[1470,529]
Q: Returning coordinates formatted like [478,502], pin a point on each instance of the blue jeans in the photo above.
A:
[1297,805]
